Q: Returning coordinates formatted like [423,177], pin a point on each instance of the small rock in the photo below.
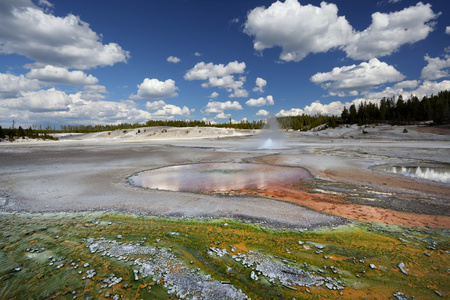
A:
[253,276]
[86,265]
[427,254]
[401,266]
[119,236]
[372,266]
[438,293]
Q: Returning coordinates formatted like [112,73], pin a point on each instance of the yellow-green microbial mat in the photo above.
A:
[115,256]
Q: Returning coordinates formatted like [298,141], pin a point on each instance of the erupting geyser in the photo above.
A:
[271,137]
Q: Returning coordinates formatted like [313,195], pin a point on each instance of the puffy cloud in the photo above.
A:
[50,40]
[221,76]
[45,3]
[261,101]
[155,105]
[358,77]
[170,110]
[315,108]
[303,29]
[57,75]
[203,71]
[298,30]
[288,113]
[333,108]
[57,107]
[262,113]
[390,31]
[93,92]
[39,101]
[260,84]
[447,30]
[214,95]
[173,59]
[151,89]
[11,85]
[166,111]
[436,68]
[430,87]
[216,107]
[229,83]
[407,84]
[198,54]
[222,116]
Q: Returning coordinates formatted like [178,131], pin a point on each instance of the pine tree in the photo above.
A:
[352,118]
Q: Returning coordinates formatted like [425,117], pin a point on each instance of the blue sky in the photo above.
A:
[104,62]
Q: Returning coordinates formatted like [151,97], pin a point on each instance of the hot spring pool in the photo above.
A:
[217,177]
[439,174]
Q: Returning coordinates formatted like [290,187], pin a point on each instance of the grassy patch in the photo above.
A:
[46,256]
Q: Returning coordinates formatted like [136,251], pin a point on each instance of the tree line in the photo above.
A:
[434,108]
[16,133]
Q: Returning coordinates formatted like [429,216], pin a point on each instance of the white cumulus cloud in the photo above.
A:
[216,107]
[68,41]
[162,110]
[262,113]
[447,30]
[57,107]
[288,113]
[315,108]
[57,75]
[221,76]
[297,29]
[214,95]
[436,68]
[39,101]
[261,101]
[155,105]
[357,77]
[303,29]
[204,71]
[170,110]
[388,32]
[151,89]
[260,84]
[427,88]
[173,59]
[222,116]
[11,85]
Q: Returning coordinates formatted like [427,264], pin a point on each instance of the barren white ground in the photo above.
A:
[90,172]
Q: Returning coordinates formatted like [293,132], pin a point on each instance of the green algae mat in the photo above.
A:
[116,256]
